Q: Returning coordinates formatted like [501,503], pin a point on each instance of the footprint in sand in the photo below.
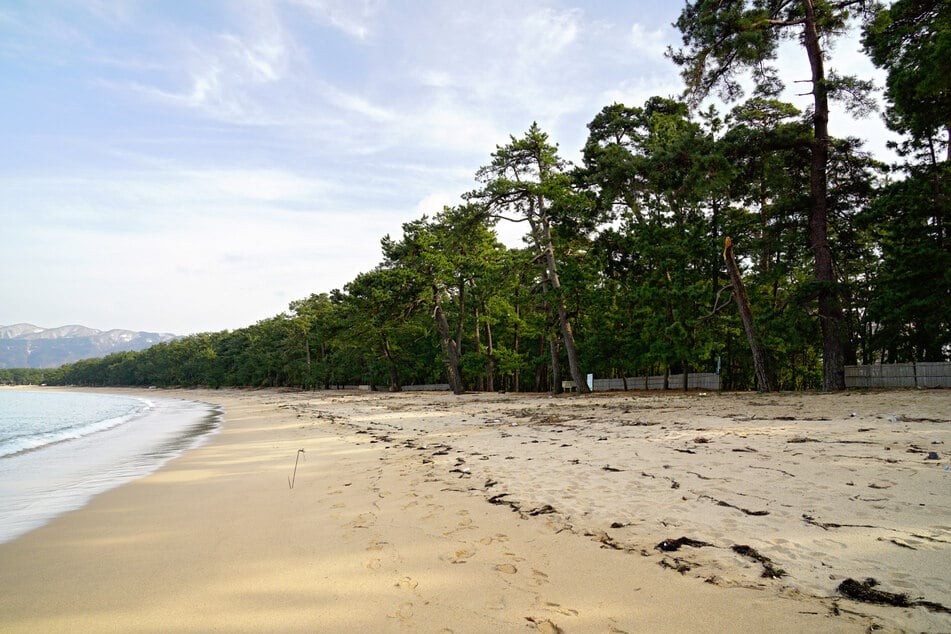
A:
[545,626]
[539,577]
[498,537]
[407,583]
[364,520]
[372,564]
[507,569]
[461,555]
[560,610]
[405,612]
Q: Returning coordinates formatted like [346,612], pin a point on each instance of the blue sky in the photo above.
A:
[195,166]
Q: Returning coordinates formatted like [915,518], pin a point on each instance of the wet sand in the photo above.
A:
[488,512]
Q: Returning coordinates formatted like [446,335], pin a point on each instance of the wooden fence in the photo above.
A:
[931,374]
[695,381]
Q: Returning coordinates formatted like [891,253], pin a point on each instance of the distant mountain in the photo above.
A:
[29,346]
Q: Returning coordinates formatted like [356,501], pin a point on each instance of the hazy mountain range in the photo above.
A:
[29,346]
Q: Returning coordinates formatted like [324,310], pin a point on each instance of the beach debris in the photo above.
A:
[672,545]
[675,564]
[733,506]
[769,570]
[808,519]
[497,499]
[865,591]
[933,455]
[293,479]
[606,540]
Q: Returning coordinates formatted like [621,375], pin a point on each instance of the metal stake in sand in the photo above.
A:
[290,481]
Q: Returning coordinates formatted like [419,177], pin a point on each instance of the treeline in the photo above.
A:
[845,259]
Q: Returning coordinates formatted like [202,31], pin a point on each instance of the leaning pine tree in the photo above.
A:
[521,185]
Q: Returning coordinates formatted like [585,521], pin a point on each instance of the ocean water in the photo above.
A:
[59,449]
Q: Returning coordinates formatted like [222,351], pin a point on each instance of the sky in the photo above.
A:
[191,167]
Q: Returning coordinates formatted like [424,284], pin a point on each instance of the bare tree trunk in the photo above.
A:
[449,346]
[518,371]
[746,315]
[395,383]
[830,310]
[490,359]
[555,364]
[540,368]
[310,372]
[567,335]
[480,384]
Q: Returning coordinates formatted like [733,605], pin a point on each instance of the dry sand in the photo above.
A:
[511,513]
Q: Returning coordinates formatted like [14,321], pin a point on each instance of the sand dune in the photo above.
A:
[488,512]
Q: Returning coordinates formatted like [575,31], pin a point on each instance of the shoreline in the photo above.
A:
[83,459]
[427,512]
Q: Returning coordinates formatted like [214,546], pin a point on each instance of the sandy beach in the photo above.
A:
[427,512]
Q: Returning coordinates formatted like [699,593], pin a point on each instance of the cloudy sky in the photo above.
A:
[195,166]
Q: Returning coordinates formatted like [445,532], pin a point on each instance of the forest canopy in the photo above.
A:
[844,259]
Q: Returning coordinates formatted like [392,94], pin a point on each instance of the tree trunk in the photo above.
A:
[540,368]
[310,372]
[395,383]
[567,335]
[555,364]
[830,311]
[480,384]
[518,371]
[489,359]
[449,347]
[746,315]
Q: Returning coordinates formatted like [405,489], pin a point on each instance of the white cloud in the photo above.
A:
[546,33]
[434,202]
[355,104]
[353,17]
[650,42]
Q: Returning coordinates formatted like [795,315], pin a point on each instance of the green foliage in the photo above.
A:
[911,39]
